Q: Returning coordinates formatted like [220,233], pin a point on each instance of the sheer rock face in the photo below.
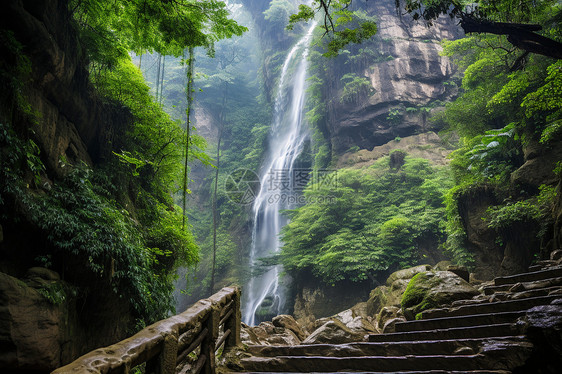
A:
[30,328]
[411,74]
[72,124]
[43,325]
[314,301]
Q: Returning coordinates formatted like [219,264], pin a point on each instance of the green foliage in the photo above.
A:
[456,246]
[367,225]
[355,89]
[278,12]
[512,214]
[84,224]
[342,25]
[56,293]
[499,88]
[111,29]
[394,115]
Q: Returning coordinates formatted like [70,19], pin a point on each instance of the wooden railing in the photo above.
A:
[186,342]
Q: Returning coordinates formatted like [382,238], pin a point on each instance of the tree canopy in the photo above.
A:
[111,29]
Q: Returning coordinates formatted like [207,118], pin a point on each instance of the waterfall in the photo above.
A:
[264,291]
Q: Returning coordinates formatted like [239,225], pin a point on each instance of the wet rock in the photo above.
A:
[312,303]
[461,271]
[442,265]
[388,313]
[266,333]
[389,326]
[464,351]
[248,335]
[288,322]
[517,287]
[333,332]
[43,273]
[542,325]
[285,337]
[556,255]
[377,299]
[355,322]
[406,273]
[432,289]
[30,328]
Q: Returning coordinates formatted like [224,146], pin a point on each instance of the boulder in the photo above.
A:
[556,255]
[542,325]
[389,326]
[355,322]
[266,333]
[442,265]
[284,337]
[461,271]
[406,273]
[38,277]
[288,322]
[432,289]
[248,335]
[377,299]
[333,332]
[388,313]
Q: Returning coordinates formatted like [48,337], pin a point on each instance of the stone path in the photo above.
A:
[486,334]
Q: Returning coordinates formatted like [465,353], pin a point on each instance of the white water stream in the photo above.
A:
[264,291]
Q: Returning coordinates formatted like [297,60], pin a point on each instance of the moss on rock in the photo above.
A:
[432,289]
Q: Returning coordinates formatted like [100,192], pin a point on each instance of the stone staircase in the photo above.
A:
[485,334]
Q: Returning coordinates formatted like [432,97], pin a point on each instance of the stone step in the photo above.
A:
[458,321]
[500,359]
[543,265]
[536,285]
[491,307]
[521,293]
[552,272]
[417,348]
[473,332]
[380,372]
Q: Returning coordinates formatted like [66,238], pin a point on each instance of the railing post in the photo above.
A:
[165,362]
[208,344]
[234,322]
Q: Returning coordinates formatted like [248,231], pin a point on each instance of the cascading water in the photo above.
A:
[264,292]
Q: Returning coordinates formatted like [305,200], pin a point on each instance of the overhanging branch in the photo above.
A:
[522,36]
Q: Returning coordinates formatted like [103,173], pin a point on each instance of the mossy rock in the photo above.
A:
[406,273]
[432,289]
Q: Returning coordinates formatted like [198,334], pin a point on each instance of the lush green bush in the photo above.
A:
[369,223]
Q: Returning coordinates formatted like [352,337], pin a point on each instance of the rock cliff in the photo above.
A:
[44,323]
[408,78]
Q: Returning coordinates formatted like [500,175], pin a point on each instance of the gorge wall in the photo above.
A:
[44,322]
[408,78]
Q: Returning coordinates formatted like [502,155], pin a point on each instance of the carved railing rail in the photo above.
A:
[186,342]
